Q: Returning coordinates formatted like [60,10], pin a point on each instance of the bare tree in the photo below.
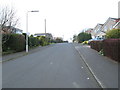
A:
[7,21]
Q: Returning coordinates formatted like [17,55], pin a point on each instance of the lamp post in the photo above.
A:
[27,28]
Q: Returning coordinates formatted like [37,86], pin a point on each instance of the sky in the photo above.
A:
[64,18]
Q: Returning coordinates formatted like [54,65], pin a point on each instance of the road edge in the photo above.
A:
[24,54]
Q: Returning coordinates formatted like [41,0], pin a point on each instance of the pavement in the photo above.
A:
[104,69]
[64,65]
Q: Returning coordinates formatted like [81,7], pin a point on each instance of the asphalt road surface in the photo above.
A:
[58,66]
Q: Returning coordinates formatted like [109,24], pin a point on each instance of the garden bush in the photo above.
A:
[107,47]
[33,41]
[5,38]
[114,33]
[16,42]
[111,48]
[97,45]
[43,41]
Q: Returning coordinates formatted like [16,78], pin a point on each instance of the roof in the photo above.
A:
[42,33]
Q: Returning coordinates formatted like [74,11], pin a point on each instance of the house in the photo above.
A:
[89,30]
[117,25]
[100,30]
[95,32]
[10,29]
[110,24]
[17,31]
[48,35]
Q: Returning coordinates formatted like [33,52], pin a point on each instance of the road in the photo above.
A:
[59,66]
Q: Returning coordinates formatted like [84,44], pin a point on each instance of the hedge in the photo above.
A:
[33,41]
[110,47]
[97,45]
[17,42]
[14,42]
[43,41]
[5,45]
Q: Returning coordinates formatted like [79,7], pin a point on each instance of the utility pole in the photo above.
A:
[45,27]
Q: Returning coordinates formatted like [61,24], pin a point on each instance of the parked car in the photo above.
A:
[95,39]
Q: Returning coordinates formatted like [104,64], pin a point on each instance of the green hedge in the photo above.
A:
[114,33]
[17,42]
[111,48]
[97,45]
[108,47]
[13,42]
[5,45]
[43,41]
[33,41]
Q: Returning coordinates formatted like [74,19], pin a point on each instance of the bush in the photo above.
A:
[33,41]
[114,33]
[5,44]
[111,48]
[43,41]
[16,42]
[97,45]
[107,47]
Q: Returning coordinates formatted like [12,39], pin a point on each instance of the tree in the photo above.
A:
[74,38]
[7,21]
[58,40]
[7,17]
[83,37]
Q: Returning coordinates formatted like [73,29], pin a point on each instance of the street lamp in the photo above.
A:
[27,28]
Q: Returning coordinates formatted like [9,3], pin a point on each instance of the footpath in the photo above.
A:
[104,70]
[23,53]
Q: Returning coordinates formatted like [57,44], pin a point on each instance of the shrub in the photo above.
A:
[33,41]
[16,42]
[114,33]
[107,47]
[111,48]
[5,38]
[97,45]
[43,41]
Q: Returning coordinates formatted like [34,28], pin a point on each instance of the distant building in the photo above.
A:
[89,30]
[48,35]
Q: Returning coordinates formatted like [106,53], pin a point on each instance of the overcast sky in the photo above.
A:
[64,17]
